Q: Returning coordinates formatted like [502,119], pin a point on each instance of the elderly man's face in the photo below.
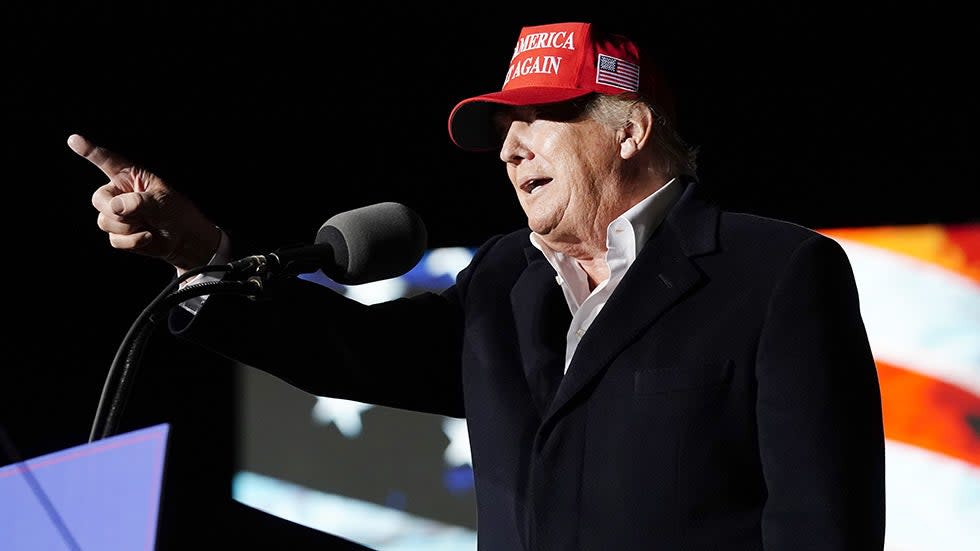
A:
[566,171]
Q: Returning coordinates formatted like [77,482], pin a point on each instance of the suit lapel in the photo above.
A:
[662,274]
[542,318]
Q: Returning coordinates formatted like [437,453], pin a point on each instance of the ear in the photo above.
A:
[636,134]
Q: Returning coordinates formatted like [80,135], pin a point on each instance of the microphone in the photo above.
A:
[358,246]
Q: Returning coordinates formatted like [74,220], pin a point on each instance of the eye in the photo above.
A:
[501,122]
[559,112]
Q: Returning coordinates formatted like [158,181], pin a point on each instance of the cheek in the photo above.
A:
[553,146]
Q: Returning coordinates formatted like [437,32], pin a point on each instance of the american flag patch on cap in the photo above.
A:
[615,72]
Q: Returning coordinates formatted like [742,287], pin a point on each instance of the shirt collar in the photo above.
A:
[643,218]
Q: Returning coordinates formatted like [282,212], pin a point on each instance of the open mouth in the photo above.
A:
[532,185]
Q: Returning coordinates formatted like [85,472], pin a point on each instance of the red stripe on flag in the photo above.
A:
[929,413]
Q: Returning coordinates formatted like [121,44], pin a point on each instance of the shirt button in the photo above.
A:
[559,280]
[579,333]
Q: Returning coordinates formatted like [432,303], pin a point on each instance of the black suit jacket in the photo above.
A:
[725,398]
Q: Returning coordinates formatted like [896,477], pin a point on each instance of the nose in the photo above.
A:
[515,147]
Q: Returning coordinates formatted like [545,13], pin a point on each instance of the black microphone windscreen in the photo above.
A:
[379,241]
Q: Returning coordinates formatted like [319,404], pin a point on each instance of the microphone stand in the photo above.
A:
[119,380]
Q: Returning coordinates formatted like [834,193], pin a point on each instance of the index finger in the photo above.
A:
[108,162]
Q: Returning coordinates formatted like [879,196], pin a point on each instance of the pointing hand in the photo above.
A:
[142,214]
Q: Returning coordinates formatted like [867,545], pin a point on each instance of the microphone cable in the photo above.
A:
[119,379]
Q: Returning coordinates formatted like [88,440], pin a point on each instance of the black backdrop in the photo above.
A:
[276,116]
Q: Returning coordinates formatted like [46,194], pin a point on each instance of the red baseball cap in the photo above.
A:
[556,63]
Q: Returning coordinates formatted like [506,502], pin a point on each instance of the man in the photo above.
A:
[638,369]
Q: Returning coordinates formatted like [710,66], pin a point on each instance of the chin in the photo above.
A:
[539,227]
[541,224]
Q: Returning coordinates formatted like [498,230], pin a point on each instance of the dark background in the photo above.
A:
[276,116]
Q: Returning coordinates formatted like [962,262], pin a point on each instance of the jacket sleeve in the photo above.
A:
[819,410]
[403,353]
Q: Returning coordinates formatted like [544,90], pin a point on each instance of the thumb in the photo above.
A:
[117,205]
[133,204]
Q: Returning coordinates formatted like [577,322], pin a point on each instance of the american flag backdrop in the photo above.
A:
[919,287]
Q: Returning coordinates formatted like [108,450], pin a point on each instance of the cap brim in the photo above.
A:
[471,121]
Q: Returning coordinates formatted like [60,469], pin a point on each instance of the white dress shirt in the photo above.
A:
[625,237]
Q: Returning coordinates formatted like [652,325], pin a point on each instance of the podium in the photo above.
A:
[181,416]
[101,495]
[106,495]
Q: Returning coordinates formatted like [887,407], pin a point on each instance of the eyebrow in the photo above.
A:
[503,115]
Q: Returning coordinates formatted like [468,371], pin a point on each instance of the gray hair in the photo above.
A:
[677,156]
